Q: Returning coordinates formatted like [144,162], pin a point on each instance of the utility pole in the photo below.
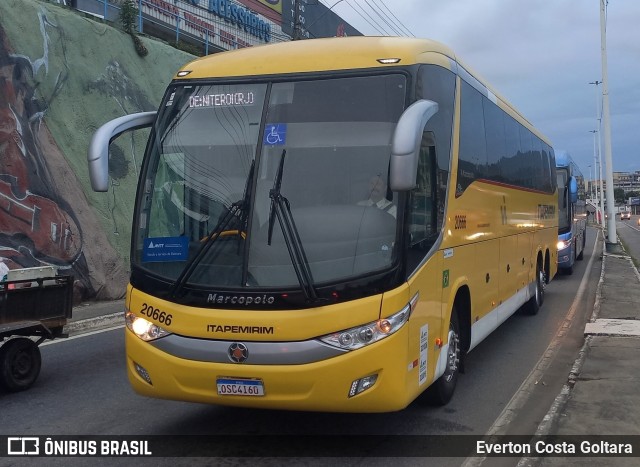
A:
[296,20]
[612,236]
[597,155]
[599,211]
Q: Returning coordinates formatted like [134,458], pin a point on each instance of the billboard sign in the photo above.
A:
[314,20]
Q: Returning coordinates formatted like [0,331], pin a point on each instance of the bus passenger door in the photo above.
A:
[425,272]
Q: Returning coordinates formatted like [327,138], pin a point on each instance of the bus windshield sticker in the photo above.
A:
[170,101]
[448,253]
[165,249]
[275,134]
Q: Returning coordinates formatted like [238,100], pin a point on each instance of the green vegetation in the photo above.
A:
[192,49]
[128,18]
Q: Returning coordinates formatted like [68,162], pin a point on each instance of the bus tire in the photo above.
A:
[20,362]
[569,270]
[580,257]
[441,391]
[533,305]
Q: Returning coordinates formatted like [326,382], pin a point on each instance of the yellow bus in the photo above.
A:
[329,225]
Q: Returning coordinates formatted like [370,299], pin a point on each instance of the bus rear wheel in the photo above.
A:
[533,305]
[441,391]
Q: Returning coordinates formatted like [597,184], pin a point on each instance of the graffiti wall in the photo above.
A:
[62,75]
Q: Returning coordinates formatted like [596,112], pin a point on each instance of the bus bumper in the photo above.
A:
[318,386]
[564,258]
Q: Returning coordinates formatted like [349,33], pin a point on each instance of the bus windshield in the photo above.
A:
[210,176]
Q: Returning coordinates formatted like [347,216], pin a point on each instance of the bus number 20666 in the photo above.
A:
[156,314]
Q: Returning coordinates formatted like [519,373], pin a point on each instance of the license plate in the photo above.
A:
[240,387]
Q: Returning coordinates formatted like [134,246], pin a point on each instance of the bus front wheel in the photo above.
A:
[441,391]
[580,257]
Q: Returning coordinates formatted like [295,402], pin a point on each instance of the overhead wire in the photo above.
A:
[362,12]
[397,21]
[379,20]
[384,18]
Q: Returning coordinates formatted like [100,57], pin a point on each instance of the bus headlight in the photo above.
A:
[145,330]
[563,244]
[355,338]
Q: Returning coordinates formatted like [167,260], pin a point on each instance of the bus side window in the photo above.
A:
[423,207]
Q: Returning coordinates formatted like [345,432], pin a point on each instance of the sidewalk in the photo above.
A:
[602,393]
[93,316]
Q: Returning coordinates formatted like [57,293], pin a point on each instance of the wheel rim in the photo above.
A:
[453,356]
[22,364]
[540,285]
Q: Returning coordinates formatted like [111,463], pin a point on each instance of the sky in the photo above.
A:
[541,56]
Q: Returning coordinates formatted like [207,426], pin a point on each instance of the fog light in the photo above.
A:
[143,373]
[362,384]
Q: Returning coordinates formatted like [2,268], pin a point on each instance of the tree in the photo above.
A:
[128,18]
[128,15]
[618,195]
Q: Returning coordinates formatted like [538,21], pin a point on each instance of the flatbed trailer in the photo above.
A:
[31,311]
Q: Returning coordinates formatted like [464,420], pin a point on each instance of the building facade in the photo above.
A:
[220,25]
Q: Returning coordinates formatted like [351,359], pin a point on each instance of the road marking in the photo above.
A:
[629,225]
[90,333]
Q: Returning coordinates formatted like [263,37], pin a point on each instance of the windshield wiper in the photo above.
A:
[281,209]
[238,209]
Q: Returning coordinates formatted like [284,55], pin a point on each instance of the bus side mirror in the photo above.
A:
[573,190]
[98,154]
[405,145]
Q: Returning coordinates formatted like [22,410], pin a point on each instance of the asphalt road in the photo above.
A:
[510,382]
[629,234]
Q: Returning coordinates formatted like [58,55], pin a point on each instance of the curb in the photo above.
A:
[550,420]
[99,322]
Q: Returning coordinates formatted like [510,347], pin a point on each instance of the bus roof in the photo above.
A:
[563,159]
[327,54]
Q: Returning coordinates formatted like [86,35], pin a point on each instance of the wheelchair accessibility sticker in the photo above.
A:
[275,134]
[165,249]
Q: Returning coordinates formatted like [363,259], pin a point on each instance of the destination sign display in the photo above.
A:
[223,100]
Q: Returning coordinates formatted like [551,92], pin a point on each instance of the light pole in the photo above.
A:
[599,211]
[612,236]
[590,184]
[599,152]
